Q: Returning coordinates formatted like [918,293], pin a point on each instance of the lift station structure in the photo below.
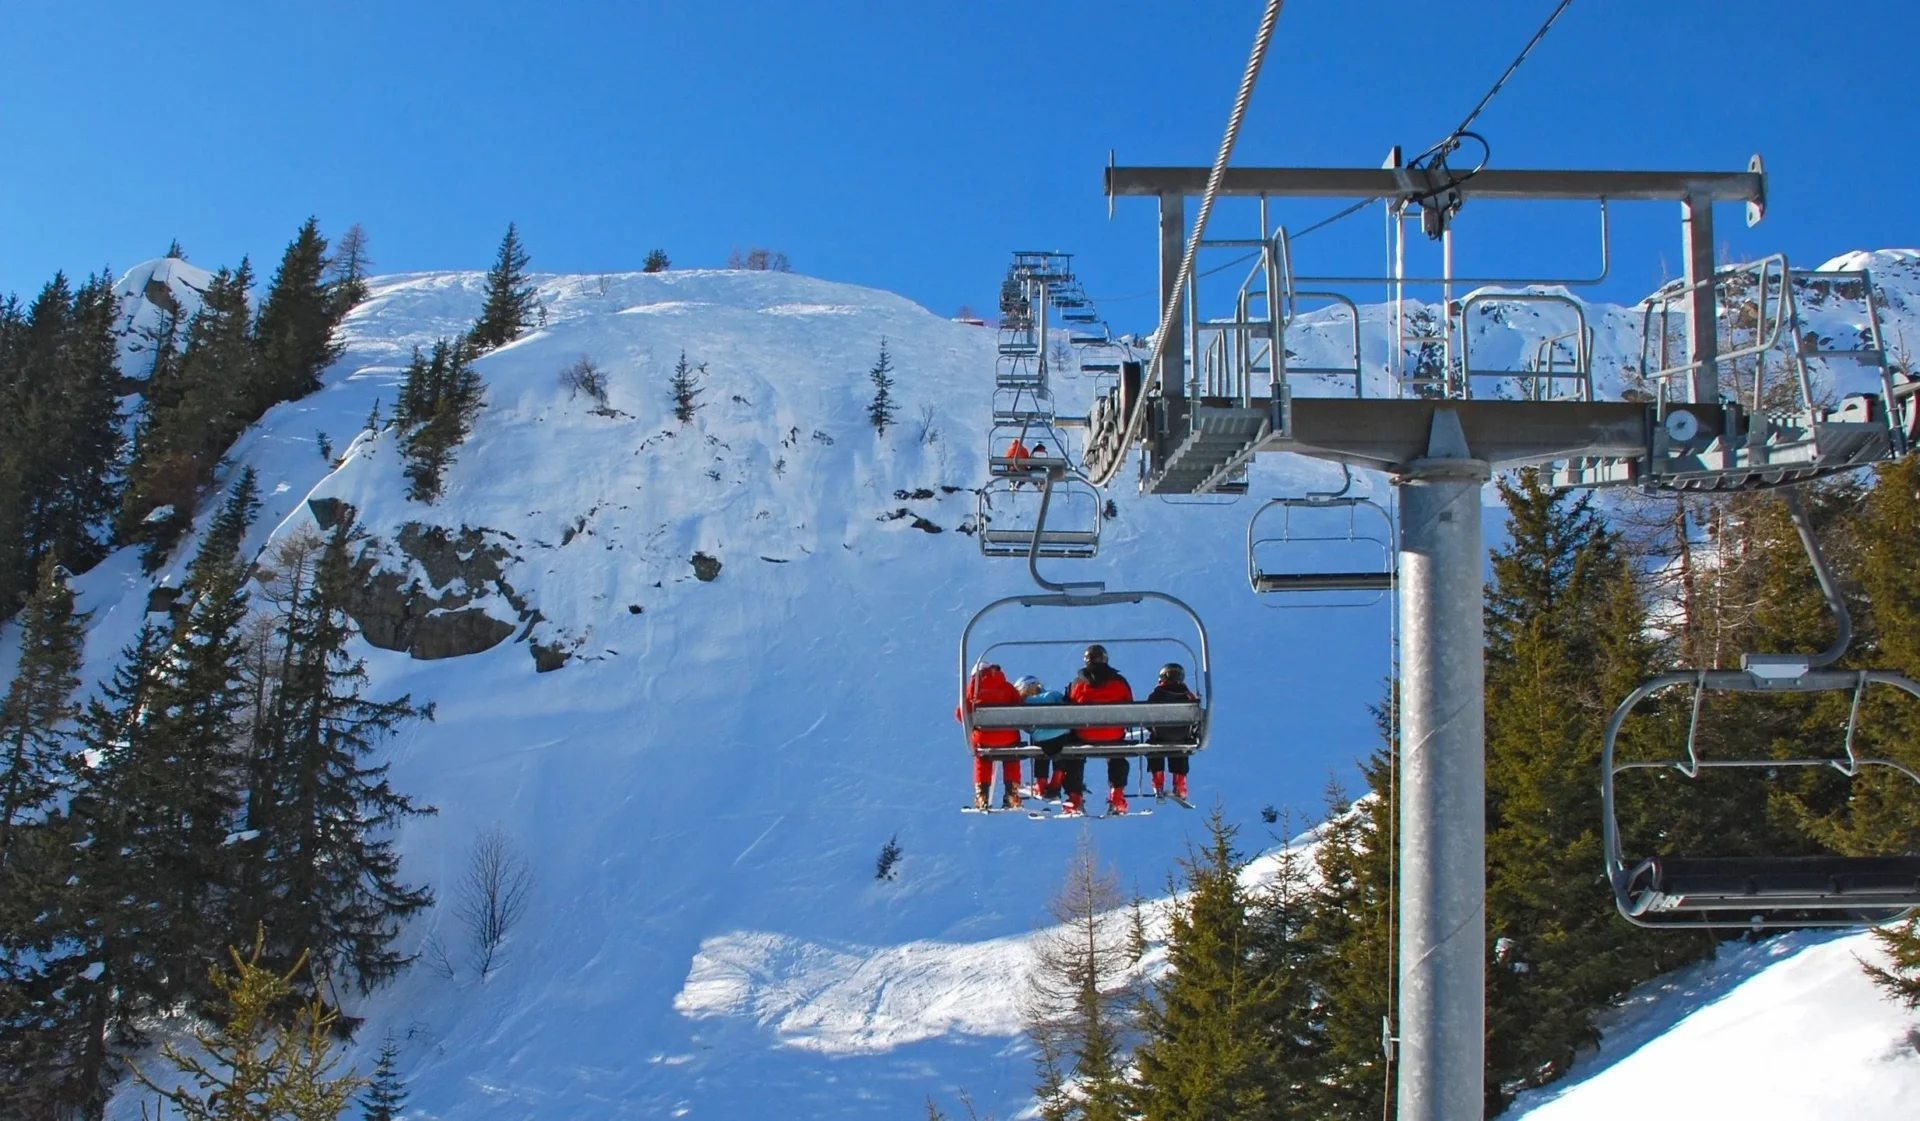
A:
[1725,403]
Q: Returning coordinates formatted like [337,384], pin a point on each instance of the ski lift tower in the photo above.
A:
[1220,395]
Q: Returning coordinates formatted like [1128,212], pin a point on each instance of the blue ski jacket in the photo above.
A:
[1048,735]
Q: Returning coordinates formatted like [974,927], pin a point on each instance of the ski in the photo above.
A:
[1129,813]
[1183,802]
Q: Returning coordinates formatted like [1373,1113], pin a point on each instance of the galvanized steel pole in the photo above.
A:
[1442,1019]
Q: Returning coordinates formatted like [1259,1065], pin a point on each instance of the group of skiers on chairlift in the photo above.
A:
[1097,683]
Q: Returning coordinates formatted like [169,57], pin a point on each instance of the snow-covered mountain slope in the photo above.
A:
[702,787]
[1788,1029]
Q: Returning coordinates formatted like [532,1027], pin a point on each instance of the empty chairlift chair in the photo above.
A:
[1008,517]
[1757,892]
[1138,717]
[1338,546]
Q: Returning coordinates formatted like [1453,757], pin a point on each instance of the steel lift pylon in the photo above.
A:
[1220,394]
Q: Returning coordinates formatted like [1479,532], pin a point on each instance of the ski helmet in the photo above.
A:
[1096,655]
[1173,673]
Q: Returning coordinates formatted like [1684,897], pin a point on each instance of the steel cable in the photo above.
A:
[1156,361]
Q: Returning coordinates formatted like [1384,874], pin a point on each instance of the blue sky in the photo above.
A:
[906,146]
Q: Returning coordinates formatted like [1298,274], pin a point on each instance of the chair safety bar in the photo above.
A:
[1025,465]
[1137,715]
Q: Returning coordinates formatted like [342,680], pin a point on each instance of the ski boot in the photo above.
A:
[1010,799]
[1116,801]
[1074,806]
[982,799]
[1180,787]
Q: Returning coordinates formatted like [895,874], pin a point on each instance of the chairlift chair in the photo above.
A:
[1761,892]
[1077,539]
[1138,716]
[1764,891]
[1037,430]
[1365,532]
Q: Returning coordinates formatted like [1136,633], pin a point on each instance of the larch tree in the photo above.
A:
[1078,1009]
[347,269]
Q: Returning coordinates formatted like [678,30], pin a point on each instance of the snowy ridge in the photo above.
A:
[702,787]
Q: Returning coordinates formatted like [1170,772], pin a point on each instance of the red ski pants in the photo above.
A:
[983,772]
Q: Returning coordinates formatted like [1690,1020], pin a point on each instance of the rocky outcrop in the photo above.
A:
[441,616]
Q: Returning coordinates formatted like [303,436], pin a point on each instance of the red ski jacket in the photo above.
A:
[1100,685]
[990,686]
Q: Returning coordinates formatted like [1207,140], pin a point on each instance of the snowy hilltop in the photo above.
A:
[699,673]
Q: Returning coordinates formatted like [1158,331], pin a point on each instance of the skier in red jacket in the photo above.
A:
[989,686]
[1099,684]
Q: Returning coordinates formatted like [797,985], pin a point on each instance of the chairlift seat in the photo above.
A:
[1322,581]
[1025,466]
[1087,750]
[1054,544]
[1087,340]
[1138,714]
[1811,883]
[1100,367]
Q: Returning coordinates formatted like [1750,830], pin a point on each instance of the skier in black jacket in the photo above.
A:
[1170,689]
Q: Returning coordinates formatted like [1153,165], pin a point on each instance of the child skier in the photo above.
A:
[1046,784]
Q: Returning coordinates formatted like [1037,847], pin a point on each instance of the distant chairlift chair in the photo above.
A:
[1073,537]
[1363,536]
[1761,892]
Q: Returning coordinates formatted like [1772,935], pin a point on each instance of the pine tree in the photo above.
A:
[1076,1012]
[1566,639]
[509,305]
[60,431]
[190,417]
[325,875]
[656,261]
[39,704]
[438,402]
[174,252]
[1295,969]
[685,388]
[386,1093]
[1348,927]
[881,409]
[255,1066]
[1207,1052]
[83,976]
[294,331]
[347,269]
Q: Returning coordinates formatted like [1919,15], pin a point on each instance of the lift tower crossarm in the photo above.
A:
[1409,183]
